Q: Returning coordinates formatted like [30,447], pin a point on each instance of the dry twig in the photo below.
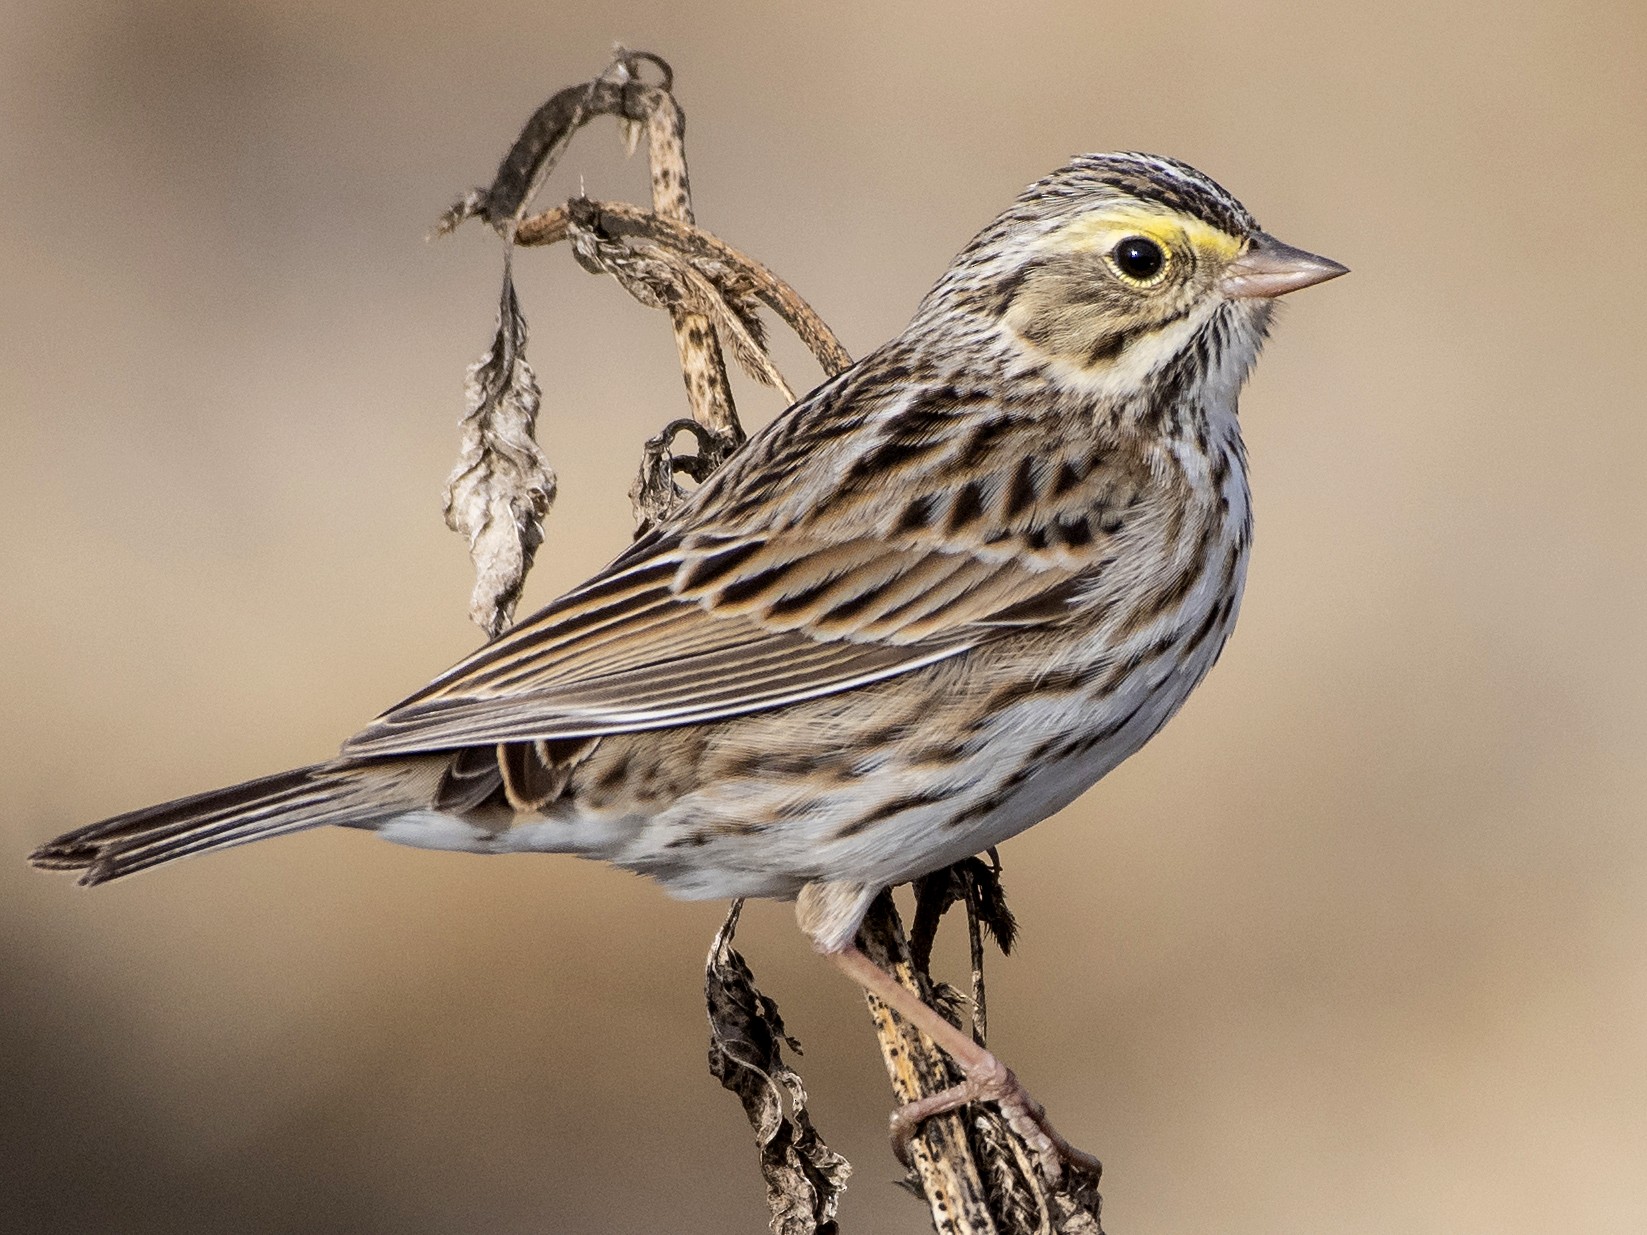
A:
[804,1177]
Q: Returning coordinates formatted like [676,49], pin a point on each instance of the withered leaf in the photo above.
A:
[804,1177]
[501,490]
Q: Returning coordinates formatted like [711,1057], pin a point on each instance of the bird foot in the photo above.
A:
[984,1077]
[990,1080]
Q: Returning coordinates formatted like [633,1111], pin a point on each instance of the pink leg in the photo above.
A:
[987,1078]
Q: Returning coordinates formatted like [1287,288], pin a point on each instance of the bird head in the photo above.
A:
[1117,265]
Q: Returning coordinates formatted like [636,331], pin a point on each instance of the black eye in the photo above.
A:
[1138,258]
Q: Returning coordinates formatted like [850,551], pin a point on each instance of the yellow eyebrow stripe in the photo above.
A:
[1100,229]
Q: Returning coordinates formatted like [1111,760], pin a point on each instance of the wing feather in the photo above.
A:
[772,586]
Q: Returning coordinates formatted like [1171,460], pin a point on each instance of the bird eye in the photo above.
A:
[1138,258]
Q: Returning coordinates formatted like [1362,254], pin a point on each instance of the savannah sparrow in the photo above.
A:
[925,608]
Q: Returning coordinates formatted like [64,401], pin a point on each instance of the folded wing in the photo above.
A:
[838,549]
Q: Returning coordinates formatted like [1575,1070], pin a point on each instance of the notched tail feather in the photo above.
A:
[273,805]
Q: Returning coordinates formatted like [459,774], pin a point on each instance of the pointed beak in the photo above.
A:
[1269,268]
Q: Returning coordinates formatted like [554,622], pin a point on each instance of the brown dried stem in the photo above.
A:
[942,1163]
[702,367]
[624,219]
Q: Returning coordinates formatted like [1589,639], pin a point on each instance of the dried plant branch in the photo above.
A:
[942,1163]
[702,368]
[978,887]
[804,1177]
[641,107]
[975,1173]
[662,278]
[623,219]
[547,134]
[1019,1197]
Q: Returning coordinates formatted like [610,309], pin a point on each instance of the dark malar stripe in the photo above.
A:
[1110,346]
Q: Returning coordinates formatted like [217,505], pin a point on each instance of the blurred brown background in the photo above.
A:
[1359,944]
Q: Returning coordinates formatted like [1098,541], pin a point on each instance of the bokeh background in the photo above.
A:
[1358,944]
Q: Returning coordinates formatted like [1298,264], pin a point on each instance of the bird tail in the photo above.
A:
[272,806]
